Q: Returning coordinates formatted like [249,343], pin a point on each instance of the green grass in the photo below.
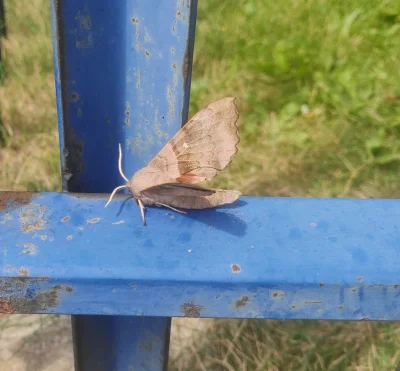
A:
[318,88]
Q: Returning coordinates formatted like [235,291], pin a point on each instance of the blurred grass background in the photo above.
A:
[318,88]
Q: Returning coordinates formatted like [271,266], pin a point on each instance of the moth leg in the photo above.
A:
[172,208]
[142,211]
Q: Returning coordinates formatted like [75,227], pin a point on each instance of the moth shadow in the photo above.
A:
[227,222]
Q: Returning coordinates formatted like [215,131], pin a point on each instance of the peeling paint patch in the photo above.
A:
[93,221]
[11,200]
[23,272]
[30,249]
[191,310]
[27,297]
[32,218]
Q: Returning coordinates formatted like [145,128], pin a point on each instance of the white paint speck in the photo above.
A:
[119,222]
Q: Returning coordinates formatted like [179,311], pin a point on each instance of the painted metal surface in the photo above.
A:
[122,76]
[283,258]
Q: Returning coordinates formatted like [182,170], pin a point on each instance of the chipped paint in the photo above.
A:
[83,31]
[235,268]
[11,200]
[191,310]
[33,218]
[119,222]
[43,237]
[69,238]
[66,219]
[30,249]
[93,221]
[25,295]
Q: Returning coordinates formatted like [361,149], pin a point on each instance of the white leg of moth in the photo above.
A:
[142,211]
[113,193]
[172,208]
[120,164]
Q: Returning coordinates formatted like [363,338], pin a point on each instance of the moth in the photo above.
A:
[197,152]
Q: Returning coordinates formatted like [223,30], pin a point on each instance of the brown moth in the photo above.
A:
[197,152]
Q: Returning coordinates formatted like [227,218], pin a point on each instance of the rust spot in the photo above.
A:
[321,284]
[147,53]
[69,238]
[340,307]
[135,20]
[191,310]
[293,306]
[313,224]
[93,221]
[360,278]
[11,200]
[66,218]
[27,297]
[235,268]
[242,302]
[74,96]
[43,237]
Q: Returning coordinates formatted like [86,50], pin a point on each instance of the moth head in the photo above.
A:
[123,176]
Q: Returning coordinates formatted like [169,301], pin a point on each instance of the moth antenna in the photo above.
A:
[172,208]
[120,164]
[142,211]
[114,192]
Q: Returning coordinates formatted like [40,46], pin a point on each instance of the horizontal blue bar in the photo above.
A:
[258,258]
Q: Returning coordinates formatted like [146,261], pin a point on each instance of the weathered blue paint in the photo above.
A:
[284,258]
[122,76]
[131,339]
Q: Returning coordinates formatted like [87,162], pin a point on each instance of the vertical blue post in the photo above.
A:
[122,71]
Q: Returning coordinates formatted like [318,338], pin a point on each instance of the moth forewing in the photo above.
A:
[197,152]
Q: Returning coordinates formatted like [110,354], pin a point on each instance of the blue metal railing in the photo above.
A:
[122,72]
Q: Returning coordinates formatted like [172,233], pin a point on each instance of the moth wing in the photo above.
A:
[202,147]
[187,196]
